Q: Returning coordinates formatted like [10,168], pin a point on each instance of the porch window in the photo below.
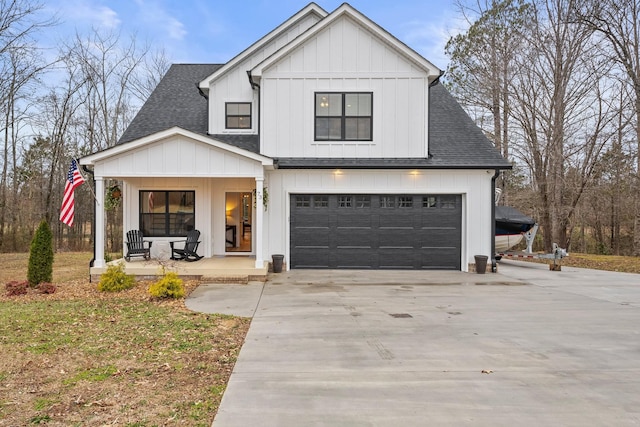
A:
[238,115]
[167,213]
[343,116]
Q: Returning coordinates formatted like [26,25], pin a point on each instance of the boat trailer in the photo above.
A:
[555,256]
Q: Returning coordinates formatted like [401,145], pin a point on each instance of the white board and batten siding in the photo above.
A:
[345,57]
[233,84]
[178,156]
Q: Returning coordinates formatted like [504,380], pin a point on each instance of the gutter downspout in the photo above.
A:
[93,223]
[494,265]
[255,86]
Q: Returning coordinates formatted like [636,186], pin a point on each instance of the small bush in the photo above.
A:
[40,267]
[46,288]
[170,286]
[16,288]
[115,279]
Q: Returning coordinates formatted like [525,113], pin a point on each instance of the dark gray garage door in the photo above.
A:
[376,231]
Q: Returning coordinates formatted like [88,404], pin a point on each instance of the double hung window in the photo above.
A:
[238,115]
[343,116]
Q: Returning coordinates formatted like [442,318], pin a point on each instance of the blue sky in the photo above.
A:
[214,31]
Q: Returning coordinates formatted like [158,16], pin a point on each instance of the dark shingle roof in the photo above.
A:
[176,101]
[455,142]
[246,142]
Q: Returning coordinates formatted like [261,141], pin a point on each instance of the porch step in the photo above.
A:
[225,279]
[214,270]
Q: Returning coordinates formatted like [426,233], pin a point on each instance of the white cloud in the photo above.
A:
[157,17]
[86,12]
[107,17]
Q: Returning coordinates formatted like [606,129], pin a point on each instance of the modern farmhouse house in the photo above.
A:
[328,141]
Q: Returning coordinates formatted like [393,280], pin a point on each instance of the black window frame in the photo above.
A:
[227,116]
[188,217]
[343,117]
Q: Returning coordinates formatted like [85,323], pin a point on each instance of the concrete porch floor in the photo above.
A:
[216,269]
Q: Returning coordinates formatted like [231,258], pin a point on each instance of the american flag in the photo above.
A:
[74,179]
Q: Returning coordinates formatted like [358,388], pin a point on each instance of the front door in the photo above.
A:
[238,206]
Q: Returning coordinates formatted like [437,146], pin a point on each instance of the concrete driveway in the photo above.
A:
[525,346]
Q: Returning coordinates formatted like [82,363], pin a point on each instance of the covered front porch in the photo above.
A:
[175,181]
[224,269]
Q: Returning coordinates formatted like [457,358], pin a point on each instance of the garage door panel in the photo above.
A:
[354,238]
[316,236]
[437,258]
[353,257]
[396,237]
[376,231]
[307,257]
[397,258]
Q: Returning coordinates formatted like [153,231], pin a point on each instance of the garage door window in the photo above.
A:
[448,202]
[429,202]
[345,201]
[320,201]
[439,202]
[387,202]
[405,202]
[363,202]
[303,201]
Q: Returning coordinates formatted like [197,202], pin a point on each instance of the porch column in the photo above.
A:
[99,226]
[259,222]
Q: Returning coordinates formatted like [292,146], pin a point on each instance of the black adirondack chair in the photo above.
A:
[188,252]
[137,246]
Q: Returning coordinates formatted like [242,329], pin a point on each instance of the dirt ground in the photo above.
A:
[80,357]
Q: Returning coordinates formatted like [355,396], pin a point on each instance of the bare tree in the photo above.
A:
[109,67]
[619,22]
[561,109]
[149,74]
[20,66]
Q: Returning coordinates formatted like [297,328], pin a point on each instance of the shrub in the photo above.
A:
[170,286]
[41,256]
[16,288]
[115,279]
[46,288]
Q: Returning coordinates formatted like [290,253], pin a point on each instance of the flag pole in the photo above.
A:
[90,187]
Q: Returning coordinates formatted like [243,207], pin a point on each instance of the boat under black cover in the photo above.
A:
[511,221]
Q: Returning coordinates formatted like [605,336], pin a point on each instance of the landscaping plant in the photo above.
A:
[115,279]
[41,256]
[170,286]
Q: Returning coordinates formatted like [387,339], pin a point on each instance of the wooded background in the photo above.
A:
[554,84]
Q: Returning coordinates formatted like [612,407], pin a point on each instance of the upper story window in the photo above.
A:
[238,115]
[343,116]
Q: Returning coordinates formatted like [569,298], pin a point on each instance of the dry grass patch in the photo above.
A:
[88,358]
[619,263]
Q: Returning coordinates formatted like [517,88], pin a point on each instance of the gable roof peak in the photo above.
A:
[345,9]
[310,9]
